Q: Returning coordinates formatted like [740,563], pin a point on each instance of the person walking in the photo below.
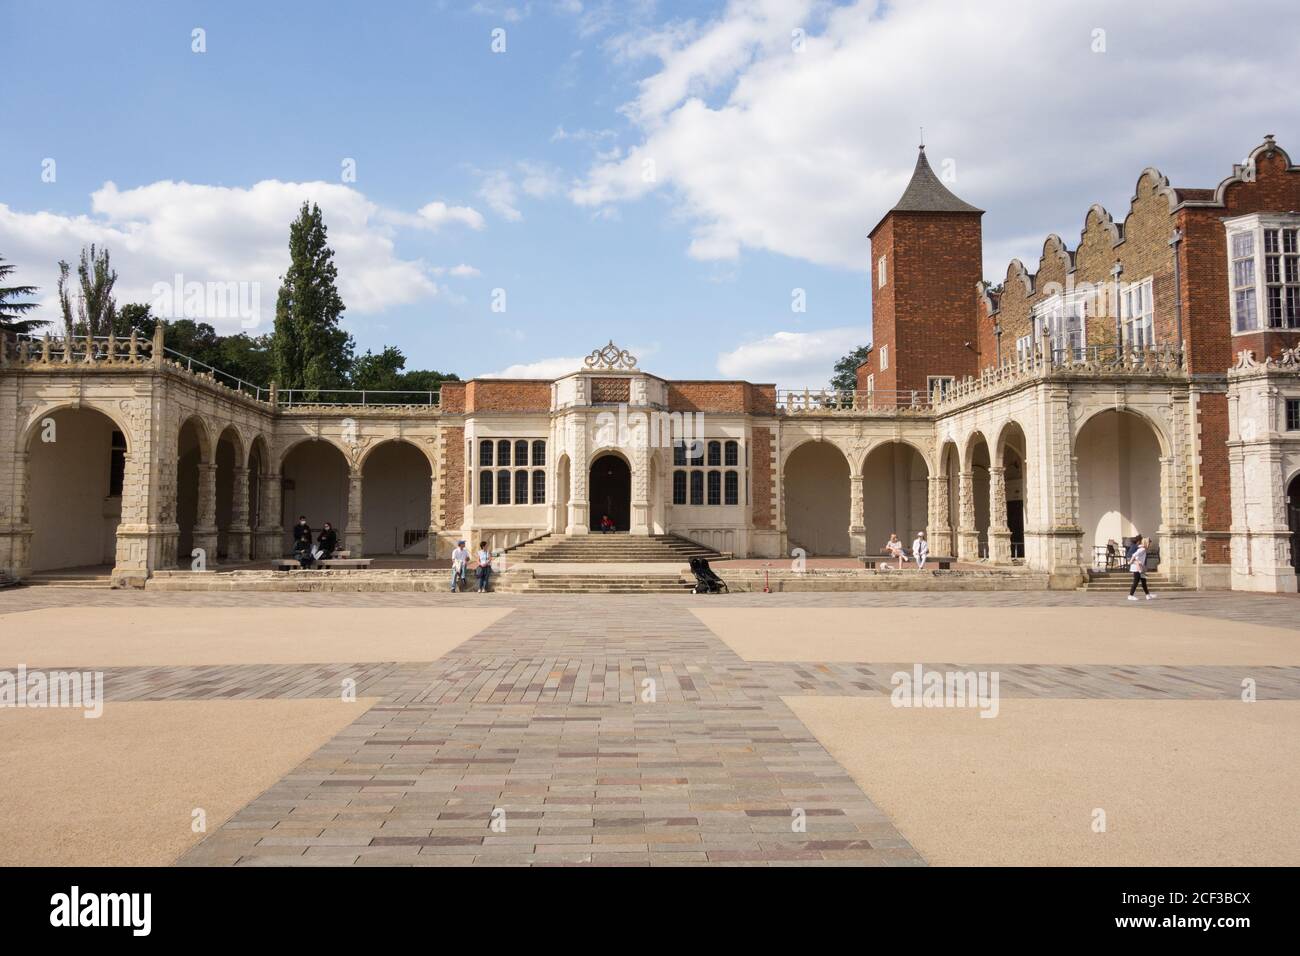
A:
[920,550]
[1138,565]
[484,567]
[459,562]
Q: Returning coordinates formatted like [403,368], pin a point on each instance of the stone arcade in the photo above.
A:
[1148,380]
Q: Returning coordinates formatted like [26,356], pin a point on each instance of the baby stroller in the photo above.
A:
[706,581]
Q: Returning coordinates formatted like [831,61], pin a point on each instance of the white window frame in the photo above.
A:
[882,273]
[1025,347]
[1138,314]
[1066,318]
[1249,301]
[884,357]
[944,382]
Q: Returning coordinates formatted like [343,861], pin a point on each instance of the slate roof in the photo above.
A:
[925,193]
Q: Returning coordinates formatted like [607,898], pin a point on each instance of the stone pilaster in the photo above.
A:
[354,537]
[999,533]
[239,534]
[205,527]
[857,517]
[270,531]
[939,531]
[968,537]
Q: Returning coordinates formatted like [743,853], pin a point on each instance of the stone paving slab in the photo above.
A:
[609,730]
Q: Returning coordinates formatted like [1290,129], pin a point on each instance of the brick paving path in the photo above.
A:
[539,723]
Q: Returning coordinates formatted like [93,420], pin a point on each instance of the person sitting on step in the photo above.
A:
[327,542]
[606,524]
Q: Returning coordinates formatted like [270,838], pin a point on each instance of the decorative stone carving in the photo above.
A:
[610,356]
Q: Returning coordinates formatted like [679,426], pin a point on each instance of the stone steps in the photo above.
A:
[527,582]
[1117,582]
[41,580]
[610,548]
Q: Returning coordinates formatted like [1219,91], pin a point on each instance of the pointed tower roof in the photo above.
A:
[925,193]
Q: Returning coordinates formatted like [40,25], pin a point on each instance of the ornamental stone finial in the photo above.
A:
[610,357]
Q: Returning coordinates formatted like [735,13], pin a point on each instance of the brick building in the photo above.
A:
[1147,380]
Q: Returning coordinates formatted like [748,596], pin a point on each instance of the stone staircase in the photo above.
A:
[621,548]
[73,578]
[1117,582]
[526,582]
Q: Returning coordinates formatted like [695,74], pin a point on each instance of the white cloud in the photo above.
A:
[501,188]
[800,153]
[793,359]
[463,271]
[548,368]
[437,214]
[218,234]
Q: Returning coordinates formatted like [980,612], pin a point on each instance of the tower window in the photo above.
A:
[884,357]
[882,273]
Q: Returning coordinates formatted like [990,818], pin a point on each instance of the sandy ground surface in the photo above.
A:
[1126,634]
[122,789]
[1182,783]
[118,636]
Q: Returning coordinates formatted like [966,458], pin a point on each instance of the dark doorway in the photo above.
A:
[1293,517]
[1016,525]
[610,489]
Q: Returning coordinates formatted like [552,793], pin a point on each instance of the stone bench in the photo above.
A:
[359,563]
[869,561]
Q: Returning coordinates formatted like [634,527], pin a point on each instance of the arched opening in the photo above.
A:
[397,488]
[229,456]
[1016,478]
[895,492]
[817,499]
[979,469]
[257,519]
[610,491]
[315,476]
[1293,519]
[949,470]
[191,452]
[76,467]
[1118,456]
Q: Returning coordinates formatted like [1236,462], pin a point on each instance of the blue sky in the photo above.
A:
[778,132]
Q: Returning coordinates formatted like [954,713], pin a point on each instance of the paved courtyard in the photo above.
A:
[429,729]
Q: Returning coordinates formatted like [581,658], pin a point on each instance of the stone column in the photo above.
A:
[940,531]
[205,525]
[639,521]
[857,517]
[15,527]
[968,538]
[270,532]
[579,504]
[131,554]
[435,521]
[999,533]
[354,538]
[239,534]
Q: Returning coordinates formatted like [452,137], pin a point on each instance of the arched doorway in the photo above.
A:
[1293,518]
[610,492]
[315,484]
[895,493]
[397,487]
[76,465]
[817,499]
[257,518]
[1015,486]
[978,460]
[229,462]
[1118,456]
[191,454]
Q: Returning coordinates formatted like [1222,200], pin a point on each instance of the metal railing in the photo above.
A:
[300,397]
[830,400]
[190,364]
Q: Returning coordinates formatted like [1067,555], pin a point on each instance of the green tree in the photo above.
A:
[12,311]
[134,317]
[382,372]
[846,369]
[309,348]
[95,309]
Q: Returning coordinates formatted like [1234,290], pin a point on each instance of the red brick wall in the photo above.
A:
[453,396]
[507,395]
[453,477]
[1215,483]
[721,397]
[760,477]
[926,313]
[1207,314]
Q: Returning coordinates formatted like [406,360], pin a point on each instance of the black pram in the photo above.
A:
[706,581]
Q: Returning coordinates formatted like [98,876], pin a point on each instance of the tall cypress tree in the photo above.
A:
[309,348]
